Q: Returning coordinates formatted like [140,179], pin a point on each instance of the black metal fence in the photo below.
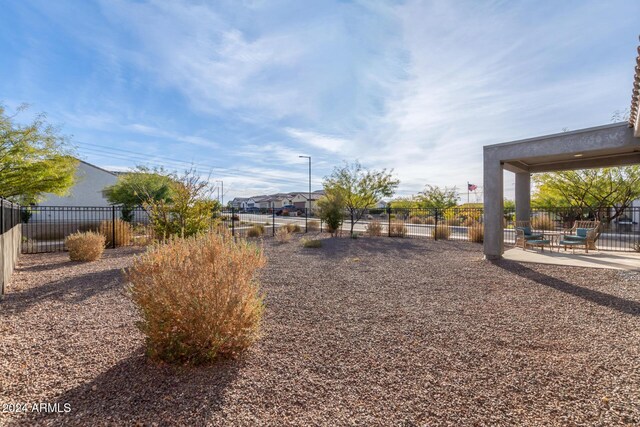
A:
[9,215]
[46,227]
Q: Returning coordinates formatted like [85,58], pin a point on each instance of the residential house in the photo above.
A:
[240,203]
[88,189]
[301,200]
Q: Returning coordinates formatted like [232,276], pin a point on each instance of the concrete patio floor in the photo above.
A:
[594,259]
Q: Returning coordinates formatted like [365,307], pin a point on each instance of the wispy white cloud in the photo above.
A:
[328,143]
[418,86]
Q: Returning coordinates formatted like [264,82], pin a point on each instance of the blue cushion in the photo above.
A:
[582,232]
[525,230]
[533,236]
[575,238]
[570,242]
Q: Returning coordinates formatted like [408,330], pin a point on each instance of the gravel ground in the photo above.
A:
[359,332]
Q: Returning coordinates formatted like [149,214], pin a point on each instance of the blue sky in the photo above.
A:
[241,88]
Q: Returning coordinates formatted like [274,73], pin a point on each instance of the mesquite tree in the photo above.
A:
[359,188]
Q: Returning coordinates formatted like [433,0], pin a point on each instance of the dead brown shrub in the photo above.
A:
[542,223]
[441,232]
[87,246]
[123,232]
[198,297]
[283,235]
[397,229]
[374,229]
[476,233]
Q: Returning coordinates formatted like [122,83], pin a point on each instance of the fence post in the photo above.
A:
[1,216]
[306,220]
[233,221]
[113,231]
[273,222]
[389,222]
[435,230]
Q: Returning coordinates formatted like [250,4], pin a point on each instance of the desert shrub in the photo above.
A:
[311,243]
[285,213]
[542,223]
[87,246]
[331,211]
[430,220]
[476,233]
[416,220]
[636,247]
[293,228]
[123,232]
[198,297]
[142,235]
[469,222]
[397,229]
[256,231]
[313,226]
[454,222]
[283,235]
[374,228]
[441,232]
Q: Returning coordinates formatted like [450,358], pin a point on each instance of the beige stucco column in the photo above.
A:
[493,207]
[523,196]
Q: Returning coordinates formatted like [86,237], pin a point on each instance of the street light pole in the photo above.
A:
[308,157]
[221,192]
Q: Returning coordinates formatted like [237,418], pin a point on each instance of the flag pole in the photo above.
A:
[467,192]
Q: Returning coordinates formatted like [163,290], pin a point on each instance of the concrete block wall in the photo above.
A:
[10,244]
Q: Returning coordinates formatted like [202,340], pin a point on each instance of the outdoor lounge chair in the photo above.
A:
[525,234]
[583,233]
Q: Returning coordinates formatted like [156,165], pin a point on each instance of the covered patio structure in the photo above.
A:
[603,146]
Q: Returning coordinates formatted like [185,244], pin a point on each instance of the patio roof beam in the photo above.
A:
[590,163]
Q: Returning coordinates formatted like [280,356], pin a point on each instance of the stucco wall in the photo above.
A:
[10,243]
[90,182]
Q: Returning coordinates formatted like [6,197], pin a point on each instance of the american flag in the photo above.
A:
[472,187]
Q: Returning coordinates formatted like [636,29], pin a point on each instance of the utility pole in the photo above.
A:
[308,157]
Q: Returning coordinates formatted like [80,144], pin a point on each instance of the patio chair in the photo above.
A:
[524,233]
[583,233]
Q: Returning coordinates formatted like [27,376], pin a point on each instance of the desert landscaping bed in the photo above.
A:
[365,332]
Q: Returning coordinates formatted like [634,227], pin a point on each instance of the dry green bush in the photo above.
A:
[293,228]
[441,232]
[543,223]
[313,226]
[283,235]
[256,231]
[397,229]
[416,220]
[311,243]
[476,233]
[123,232]
[87,246]
[198,297]
[374,229]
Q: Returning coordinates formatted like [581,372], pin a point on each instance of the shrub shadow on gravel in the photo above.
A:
[606,300]
[75,290]
[333,247]
[136,390]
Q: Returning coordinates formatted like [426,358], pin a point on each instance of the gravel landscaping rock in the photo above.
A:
[373,331]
